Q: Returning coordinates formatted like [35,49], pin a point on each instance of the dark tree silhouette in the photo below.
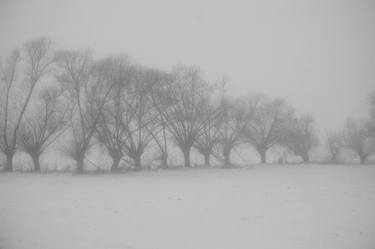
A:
[161,81]
[43,126]
[111,130]
[357,138]
[210,117]
[268,125]
[235,117]
[300,137]
[334,143]
[36,59]
[180,107]
[89,86]
[139,117]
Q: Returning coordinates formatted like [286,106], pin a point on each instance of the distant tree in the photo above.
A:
[111,132]
[180,107]
[235,117]
[210,135]
[334,143]
[300,137]
[161,83]
[89,86]
[140,119]
[357,138]
[9,74]
[160,137]
[43,126]
[268,125]
[35,59]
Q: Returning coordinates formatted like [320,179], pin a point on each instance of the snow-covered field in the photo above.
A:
[265,207]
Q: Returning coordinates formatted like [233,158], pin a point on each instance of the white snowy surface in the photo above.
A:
[265,207]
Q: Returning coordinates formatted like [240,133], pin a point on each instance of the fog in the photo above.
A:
[318,55]
[140,146]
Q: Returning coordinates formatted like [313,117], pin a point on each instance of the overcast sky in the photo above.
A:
[317,54]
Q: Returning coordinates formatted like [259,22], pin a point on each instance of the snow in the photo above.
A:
[265,207]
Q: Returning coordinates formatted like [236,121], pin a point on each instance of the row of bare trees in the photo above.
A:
[127,108]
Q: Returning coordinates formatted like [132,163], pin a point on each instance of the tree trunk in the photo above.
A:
[137,162]
[207,159]
[115,164]
[36,162]
[164,160]
[305,158]
[263,157]
[186,152]
[80,163]
[226,154]
[9,163]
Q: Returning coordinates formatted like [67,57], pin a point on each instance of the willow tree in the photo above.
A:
[300,136]
[334,143]
[20,75]
[88,86]
[44,125]
[179,105]
[160,84]
[139,117]
[210,134]
[357,138]
[235,117]
[268,125]
[111,132]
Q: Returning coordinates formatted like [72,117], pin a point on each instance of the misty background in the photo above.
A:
[292,124]
[318,55]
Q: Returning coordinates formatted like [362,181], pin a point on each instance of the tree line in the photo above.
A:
[127,108]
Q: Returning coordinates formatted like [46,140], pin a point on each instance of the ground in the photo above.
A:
[265,207]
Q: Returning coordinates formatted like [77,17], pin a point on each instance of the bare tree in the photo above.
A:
[357,138]
[180,107]
[111,130]
[334,144]
[160,137]
[36,59]
[210,117]
[161,83]
[300,137]
[268,125]
[89,89]
[139,120]
[235,116]
[9,71]
[42,127]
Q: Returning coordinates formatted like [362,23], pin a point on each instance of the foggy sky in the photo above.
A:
[317,54]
